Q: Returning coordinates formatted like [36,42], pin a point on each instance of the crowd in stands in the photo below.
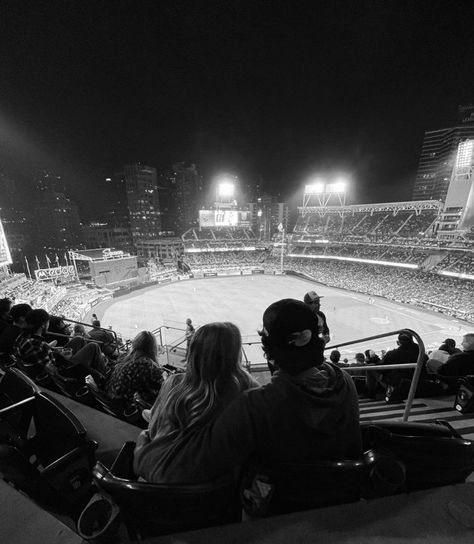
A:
[375,223]
[228,234]
[224,259]
[451,296]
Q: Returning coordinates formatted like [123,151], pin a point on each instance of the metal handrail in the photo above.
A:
[418,366]
[92,327]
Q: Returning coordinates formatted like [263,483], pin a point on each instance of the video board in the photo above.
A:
[5,257]
[225,218]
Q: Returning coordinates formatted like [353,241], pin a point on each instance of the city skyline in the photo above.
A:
[270,96]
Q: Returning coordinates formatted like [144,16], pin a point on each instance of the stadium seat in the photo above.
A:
[54,464]
[295,486]
[15,386]
[433,454]
[156,509]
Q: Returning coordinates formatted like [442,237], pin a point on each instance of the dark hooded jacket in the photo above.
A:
[313,415]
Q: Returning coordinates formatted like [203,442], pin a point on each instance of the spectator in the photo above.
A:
[189,334]
[359,359]
[371,358]
[105,339]
[11,332]
[313,300]
[138,372]
[441,355]
[5,307]
[335,356]
[308,411]
[461,364]
[188,402]
[79,338]
[57,326]
[31,348]
[407,352]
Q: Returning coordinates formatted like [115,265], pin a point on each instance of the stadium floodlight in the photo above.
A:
[338,186]
[226,189]
[314,189]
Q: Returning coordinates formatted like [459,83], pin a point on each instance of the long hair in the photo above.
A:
[213,377]
[144,345]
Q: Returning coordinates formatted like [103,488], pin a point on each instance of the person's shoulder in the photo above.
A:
[461,356]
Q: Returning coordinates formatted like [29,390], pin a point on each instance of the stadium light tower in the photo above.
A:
[319,193]
[225,192]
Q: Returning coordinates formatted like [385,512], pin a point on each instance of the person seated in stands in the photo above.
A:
[5,307]
[138,372]
[407,352]
[105,338]
[371,358]
[31,348]
[11,332]
[441,355]
[57,326]
[335,356]
[189,402]
[79,338]
[460,364]
[308,411]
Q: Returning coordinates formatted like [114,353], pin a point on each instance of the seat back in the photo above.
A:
[60,455]
[16,386]
[433,455]
[154,509]
[58,431]
[303,485]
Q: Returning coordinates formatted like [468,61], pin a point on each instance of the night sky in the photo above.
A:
[266,90]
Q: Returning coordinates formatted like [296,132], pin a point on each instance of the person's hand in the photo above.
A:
[53,343]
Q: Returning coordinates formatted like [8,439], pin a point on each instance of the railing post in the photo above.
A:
[416,376]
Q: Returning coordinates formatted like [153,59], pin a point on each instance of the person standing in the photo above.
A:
[190,330]
[313,300]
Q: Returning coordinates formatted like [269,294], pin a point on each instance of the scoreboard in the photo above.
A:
[225,218]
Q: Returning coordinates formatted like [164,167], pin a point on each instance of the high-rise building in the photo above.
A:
[438,156]
[116,209]
[57,224]
[143,201]
[186,193]
[267,214]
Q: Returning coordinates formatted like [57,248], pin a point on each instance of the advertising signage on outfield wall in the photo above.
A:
[5,257]
[225,218]
[54,273]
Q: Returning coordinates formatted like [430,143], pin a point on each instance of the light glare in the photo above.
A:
[226,189]
[314,189]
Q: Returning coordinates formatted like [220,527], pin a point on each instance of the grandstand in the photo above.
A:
[383,250]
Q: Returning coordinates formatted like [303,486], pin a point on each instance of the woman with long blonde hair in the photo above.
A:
[188,402]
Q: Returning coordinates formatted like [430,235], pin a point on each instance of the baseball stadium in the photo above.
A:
[380,273]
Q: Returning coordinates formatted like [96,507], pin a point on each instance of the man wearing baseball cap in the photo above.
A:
[309,410]
[313,300]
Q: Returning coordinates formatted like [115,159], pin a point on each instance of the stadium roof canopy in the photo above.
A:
[99,254]
[415,205]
